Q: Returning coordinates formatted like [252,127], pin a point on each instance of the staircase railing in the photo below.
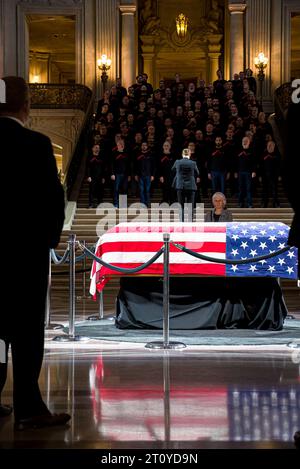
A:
[77,166]
[56,96]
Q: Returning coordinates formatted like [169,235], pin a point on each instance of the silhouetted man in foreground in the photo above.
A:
[291,175]
[33,224]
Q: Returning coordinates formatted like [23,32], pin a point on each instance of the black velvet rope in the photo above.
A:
[230,261]
[59,260]
[65,258]
[121,269]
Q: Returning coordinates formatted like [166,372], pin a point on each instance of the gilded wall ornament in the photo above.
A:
[149,22]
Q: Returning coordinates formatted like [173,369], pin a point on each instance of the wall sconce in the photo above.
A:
[181,25]
[261,63]
[104,65]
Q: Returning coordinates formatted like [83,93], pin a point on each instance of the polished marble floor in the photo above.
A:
[126,396]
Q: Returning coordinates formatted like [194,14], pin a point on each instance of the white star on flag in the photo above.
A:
[290,270]
[251,241]
[234,268]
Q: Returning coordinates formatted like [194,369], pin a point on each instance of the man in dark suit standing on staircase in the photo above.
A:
[291,175]
[32,224]
[187,175]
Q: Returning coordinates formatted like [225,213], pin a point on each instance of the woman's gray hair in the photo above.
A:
[219,194]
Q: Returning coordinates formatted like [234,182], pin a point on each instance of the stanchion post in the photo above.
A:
[166,290]
[288,316]
[47,312]
[83,297]
[101,305]
[71,337]
[100,316]
[72,289]
[48,325]
[166,344]
[167,413]
[84,274]
[296,343]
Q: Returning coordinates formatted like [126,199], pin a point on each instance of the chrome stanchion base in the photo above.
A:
[290,316]
[69,338]
[98,318]
[94,318]
[160,345]
[293,345]
[53,327]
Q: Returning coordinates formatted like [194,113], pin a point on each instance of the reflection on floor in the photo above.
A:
[126,396]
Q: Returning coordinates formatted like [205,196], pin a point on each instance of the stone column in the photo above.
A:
[258,39]
[91,72]
[9,37]
[213,65]
[1,39]
[148,54]
[128,52]
[236,11]
[214,53]
[107,38]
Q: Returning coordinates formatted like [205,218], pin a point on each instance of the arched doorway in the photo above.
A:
[34,48]
[52,48]
[164,52]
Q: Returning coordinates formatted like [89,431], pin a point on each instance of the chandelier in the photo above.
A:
[181,25]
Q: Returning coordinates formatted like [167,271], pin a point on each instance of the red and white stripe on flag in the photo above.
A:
[129,245]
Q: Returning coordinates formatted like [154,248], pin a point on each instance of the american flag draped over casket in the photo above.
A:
[129,245]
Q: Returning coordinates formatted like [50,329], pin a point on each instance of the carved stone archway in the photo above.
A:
[164,54]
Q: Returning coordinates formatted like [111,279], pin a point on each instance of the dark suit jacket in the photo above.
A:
[32,198]
[291,174]
[186,172]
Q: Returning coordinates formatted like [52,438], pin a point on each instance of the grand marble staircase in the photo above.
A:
[85,227]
